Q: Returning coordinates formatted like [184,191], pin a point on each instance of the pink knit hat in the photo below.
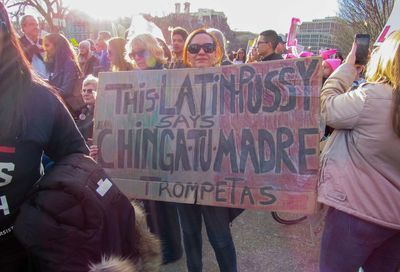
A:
[305,54]
[325,54]
[334,63]
[290,56]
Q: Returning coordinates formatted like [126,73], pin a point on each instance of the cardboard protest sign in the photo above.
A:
[237,136]
[392,24]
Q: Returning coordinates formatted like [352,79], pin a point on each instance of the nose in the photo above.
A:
[201,50]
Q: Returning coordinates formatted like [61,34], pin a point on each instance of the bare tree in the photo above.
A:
[53,11]
[362,16]
[343,37]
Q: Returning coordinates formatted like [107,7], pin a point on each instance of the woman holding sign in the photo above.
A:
[162,217]
[360,164]
[202,50]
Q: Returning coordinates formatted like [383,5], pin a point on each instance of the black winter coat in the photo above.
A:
[74,216]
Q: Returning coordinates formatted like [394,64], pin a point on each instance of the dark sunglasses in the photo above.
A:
[208,48]
[89,91]
[139,54]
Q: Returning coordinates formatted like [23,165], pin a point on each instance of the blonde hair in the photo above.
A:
[218,51]
[150,44]
[120,63]
[384,66]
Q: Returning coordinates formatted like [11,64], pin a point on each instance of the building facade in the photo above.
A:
[318,34]
[80,26]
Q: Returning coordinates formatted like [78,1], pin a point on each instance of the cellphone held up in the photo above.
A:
[362,43]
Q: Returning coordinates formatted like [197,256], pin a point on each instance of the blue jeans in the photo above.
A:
[163,220]
[349,243]
[217,222]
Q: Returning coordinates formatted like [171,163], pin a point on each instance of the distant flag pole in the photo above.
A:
[250,45]
[292,41]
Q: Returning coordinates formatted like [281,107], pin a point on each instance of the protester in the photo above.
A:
[32,44]
[231,55]
[61,63]
[102,53]
[63,69]
[360,173]
[328,67]
[252,55]
[116,54]
[178,38]
[33,120]
[162,216]
[203,50]
[167,52]
[222,41]
[85,121]
[266,44]
[99,47]
[281,46]
[92,46]
[87,61]
[240,56]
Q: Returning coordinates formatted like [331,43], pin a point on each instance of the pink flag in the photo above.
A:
[292,41]
[325,54]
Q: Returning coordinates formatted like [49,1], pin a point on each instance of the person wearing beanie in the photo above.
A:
[305,54]
[329,66]
[327,53]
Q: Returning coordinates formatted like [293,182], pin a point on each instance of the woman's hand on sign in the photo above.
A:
[93,150]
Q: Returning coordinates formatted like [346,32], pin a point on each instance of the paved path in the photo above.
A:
[264,245]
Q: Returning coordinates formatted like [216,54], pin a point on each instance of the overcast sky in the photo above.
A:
[249,15]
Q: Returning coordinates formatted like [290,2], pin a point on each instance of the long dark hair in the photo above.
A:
[15,78]
[63,53]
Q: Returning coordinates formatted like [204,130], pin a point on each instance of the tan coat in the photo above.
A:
[360,164]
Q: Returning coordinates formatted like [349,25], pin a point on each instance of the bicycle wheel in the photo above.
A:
[288,218]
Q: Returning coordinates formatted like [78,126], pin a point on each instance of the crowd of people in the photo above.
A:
[48,95]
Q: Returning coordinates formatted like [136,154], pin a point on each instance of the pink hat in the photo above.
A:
[305,54]
[334,63]
[325,54]
[290,56]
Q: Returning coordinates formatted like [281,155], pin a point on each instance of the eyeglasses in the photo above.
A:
[136,54]
[208,48]
[89,91]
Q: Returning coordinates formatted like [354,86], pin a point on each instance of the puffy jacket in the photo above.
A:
[74,216]
[360,164]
